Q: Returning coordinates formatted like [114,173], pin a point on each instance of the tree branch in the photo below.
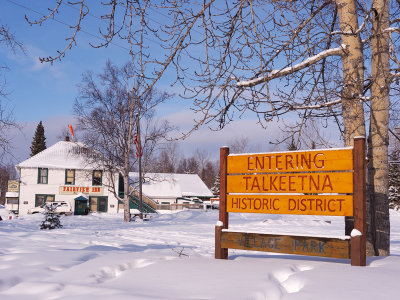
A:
[289,70]
[327,104]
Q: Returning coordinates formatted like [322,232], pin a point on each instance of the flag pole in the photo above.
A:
[139,150]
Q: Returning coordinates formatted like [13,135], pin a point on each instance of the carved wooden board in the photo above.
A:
[324,205]
[291,183]
[292,161]
[300,245]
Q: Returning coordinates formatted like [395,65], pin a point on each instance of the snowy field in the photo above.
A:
[171,257]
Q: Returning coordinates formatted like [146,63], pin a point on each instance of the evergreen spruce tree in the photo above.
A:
[215,187]
[39,140]
[51,219]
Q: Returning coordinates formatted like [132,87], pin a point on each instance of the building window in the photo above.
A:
[43,198]
[43,174]
[97,177]
[98,203]
[70,176]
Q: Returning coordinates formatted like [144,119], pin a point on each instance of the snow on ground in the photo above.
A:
[171,257]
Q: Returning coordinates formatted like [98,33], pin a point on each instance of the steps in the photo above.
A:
[135,203]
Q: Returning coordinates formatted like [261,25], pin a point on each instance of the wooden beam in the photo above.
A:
[358,242]
[223,214]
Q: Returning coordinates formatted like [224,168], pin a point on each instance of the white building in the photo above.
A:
[61,173]
[166,188]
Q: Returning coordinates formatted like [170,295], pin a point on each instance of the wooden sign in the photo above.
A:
[13,186]
[291,183]
[315,182]
[292,161]
[332,205]
[301,245]
[71,190]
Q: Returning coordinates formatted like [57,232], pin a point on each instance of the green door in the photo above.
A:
[81,207]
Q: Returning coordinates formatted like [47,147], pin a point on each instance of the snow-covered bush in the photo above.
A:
[51,219]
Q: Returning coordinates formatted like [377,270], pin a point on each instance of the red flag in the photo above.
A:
[72,131]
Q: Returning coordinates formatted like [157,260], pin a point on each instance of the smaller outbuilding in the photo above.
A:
[169,188]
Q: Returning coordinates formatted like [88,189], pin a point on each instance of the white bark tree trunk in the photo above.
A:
[378,168]
[353,77]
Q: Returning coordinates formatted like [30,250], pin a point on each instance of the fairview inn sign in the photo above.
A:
[316,182]
[71,190]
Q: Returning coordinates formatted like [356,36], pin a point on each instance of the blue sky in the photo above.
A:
[45,92]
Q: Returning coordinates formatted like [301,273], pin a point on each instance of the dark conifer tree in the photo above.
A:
[215,187]
[39,140]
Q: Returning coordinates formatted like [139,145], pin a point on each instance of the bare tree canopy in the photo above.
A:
[108,111]
[312,59]
[7,39]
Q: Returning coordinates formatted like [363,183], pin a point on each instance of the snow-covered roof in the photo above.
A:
[62,155]
[12,195]
[168,185]
[81,196]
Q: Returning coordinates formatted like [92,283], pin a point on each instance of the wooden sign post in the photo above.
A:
[315,182]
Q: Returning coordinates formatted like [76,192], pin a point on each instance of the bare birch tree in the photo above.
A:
[106,111]
[325,59]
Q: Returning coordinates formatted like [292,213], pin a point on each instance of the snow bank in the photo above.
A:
[171,257]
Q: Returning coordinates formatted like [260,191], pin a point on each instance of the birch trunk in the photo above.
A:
[353,76]
[127,213]
[378,141]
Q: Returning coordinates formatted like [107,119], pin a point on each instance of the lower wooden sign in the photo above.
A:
[300,245]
